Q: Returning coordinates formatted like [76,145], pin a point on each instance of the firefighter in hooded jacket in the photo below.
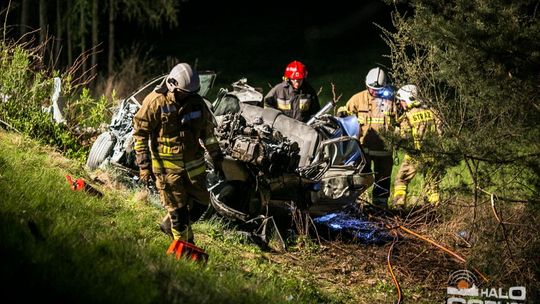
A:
[416,123]
[169,129]
[374,110]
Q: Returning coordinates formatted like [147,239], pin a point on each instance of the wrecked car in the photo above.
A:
[271,162]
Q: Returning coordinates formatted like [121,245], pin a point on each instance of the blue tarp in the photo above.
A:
[355,227]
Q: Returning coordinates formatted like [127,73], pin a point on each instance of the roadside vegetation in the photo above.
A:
[67,246]
[469,60]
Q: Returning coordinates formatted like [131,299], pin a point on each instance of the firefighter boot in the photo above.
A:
[400,196]
[180,224]
[165,226]
[182,244]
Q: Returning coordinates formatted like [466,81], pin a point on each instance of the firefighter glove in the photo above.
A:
[217,162]
[343,112]
[147,177]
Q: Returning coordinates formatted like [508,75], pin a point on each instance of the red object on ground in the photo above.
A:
[182,248]
[79,184]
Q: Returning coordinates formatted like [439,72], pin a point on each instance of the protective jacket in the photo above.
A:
[415,123]
[374,115]
[171,132]
[299,104]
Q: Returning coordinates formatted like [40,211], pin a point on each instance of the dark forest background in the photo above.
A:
[138,39]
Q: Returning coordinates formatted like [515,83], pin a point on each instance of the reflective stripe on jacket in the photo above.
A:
[299,104]
[416,123]
[371,118]
[171,132]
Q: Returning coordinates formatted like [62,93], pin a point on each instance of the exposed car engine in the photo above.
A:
[257,144]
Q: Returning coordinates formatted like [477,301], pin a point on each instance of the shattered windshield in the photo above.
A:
[226,104]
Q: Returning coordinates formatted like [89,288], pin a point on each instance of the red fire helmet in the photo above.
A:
[295,70]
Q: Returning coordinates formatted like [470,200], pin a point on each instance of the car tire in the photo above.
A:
[101,149]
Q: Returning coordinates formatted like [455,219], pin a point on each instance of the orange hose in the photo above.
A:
[389,263]
[455,255]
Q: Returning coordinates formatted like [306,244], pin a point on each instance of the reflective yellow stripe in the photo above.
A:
[167,143]
[375,120]
[167,164]
[194,172]
[140,145]
[304,104]
[169,156]
[361,120]
[400,193]
[196,167]
[186,234]
[283,104]
[210,140]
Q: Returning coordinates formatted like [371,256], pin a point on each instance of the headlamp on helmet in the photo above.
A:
[386,92]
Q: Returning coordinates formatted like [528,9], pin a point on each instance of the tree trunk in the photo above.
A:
[112,16]
[42,21]
[58,40]
[82,35]
[95,37]
[24,17]
[69,33]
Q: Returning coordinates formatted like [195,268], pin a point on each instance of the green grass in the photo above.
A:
[456,178]
[67,246]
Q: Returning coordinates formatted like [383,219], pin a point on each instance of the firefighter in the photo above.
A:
[375,111]
[294,96]
[417,123]
[168,131]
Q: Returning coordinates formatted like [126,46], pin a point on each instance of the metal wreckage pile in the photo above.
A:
[274,165]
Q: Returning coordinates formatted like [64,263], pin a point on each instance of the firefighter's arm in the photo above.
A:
[211,143]
[144,122]
[314,105]
[269,101]
[347,109]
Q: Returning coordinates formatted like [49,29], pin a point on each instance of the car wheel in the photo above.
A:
[101,149]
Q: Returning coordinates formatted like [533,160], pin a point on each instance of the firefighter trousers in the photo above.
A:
[408,170]
[178,194]
[382,168]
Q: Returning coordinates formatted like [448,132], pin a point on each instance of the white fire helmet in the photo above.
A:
[409,94]
[182,77]
[376,79]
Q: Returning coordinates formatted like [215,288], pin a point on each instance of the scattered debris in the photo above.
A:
[80,185]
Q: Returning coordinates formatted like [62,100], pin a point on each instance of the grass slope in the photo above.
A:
[67,246]
[64,246]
